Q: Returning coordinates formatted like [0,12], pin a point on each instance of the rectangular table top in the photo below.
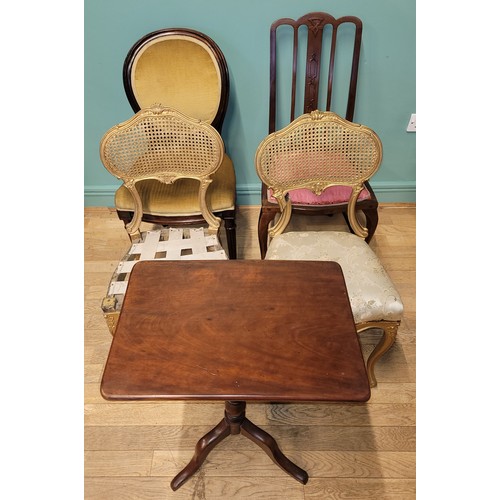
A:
[236,330]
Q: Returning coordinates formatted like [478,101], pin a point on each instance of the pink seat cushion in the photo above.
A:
[330,196]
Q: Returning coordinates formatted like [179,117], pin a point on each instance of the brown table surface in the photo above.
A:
[245,330]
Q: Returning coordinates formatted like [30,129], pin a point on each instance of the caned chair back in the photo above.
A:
[163,144]
[314,63]
[318,150]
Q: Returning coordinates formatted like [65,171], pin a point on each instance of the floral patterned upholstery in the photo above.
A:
[371,292]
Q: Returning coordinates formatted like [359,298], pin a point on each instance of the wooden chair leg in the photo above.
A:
[229,219]
[265,217]
[390,330]
[371,222]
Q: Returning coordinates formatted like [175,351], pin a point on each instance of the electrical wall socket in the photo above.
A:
[412,124]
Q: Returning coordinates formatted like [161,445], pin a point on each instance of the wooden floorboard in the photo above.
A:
[351,451]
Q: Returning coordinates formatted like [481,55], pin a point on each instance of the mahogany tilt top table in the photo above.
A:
[236,331]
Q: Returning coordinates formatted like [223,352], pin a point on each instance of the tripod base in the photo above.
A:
[235,422]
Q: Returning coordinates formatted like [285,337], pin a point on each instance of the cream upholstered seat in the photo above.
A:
[372,294]
[314,152]
[182,69]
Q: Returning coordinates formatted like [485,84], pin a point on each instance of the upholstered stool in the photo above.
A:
[158,244]
[374,299]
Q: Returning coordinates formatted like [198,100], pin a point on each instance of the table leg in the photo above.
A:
[270,446]
[235,422]
[203,447]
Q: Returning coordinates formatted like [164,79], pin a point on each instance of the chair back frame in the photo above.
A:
[315,23]
[318,150]
[163,144]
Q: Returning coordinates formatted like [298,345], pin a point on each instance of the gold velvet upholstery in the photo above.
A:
[316,151]
[180,72]
[181,197]
[184,70]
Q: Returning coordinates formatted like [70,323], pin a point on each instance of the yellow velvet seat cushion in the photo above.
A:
[181,197]
[178,72]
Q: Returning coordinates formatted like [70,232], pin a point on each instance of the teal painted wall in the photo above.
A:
[386,85]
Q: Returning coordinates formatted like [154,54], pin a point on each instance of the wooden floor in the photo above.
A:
[351,451]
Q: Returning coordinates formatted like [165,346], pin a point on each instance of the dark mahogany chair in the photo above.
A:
[316,69]
[185,70]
